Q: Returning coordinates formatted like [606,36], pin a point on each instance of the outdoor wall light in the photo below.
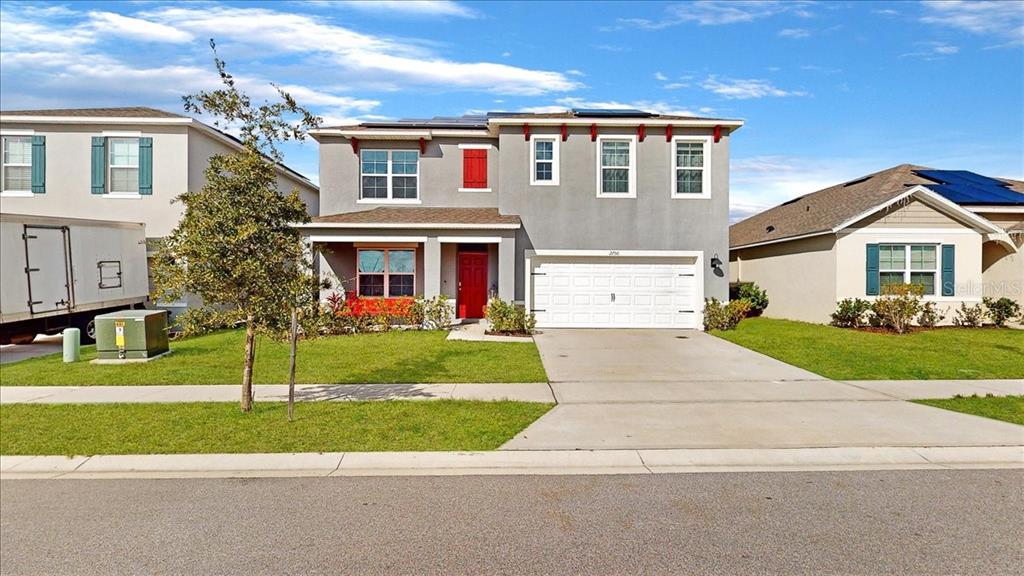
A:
[716,265]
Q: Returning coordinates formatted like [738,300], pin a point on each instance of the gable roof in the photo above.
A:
[575,117]
[824,210]
[123,112]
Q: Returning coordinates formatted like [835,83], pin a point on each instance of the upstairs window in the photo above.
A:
[124,165]
[17,164]
[389,175]
[616,167]
[386,273]
[544,160]
[690,178]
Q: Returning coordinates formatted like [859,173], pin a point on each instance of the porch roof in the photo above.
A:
[418,217]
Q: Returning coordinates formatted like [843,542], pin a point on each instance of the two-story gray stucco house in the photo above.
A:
[120,164]
[589,218]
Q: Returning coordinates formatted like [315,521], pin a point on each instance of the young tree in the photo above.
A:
[235,246]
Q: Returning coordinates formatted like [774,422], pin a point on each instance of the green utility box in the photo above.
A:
[131,334]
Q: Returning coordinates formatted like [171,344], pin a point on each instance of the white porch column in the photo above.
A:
[431,267]
[507,269]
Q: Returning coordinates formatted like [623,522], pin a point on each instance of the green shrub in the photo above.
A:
[1001,310]
[435,313]
[754,295]
[898,307]
[850,313]
[930,315]
[196,321]
[969,316]
[719,316]
[508,318]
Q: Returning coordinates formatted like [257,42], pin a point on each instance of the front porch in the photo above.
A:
[466,254]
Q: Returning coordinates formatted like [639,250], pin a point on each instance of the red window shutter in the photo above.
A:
[474,168]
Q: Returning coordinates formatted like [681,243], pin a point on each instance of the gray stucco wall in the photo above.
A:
[440,173]
[799,276]
[571,216]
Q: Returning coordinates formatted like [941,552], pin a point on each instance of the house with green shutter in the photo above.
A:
[121,164]
[958,234]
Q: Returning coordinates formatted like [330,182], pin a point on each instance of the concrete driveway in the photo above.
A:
[649,389]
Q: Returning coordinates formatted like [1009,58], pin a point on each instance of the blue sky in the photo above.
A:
[829,90]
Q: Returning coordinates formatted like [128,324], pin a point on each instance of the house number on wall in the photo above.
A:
[613,252]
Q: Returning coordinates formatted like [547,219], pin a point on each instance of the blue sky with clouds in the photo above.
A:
[829,90]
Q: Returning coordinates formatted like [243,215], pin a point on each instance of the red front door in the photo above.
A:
[472,284]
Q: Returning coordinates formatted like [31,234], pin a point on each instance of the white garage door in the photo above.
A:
[616,293]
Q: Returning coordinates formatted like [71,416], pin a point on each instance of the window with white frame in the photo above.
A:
[690,166]
[17,164]
[389,175]
[908,264]
[387,273]
[616,167]
[544,161]
[124,165]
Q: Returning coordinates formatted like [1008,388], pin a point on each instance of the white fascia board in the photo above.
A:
[996,209]
[697,123]
[388,239]
[778,240]
[618,253]
[382,134]
[93,120]
[398,226]
[930,198]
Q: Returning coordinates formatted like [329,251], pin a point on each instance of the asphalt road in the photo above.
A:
[898,522]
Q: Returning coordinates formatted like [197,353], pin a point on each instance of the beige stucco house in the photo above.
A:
[957,233]
[120,164]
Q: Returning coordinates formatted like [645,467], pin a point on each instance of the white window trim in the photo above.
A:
[705,169]
[389,174]
[632,165]
[387,271]
[532,159]
[475,146]
[15,193]
[906,270]
[110,166]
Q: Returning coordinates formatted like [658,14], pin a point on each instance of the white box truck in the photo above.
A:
[58,272]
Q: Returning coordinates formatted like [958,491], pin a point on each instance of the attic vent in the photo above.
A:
[857,181]
[769,229]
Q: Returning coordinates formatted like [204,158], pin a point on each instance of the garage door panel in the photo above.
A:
[623,293]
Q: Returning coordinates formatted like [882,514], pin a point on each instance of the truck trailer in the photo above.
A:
[59,272]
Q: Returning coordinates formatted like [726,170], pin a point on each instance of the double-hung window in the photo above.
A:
[17,164]
[616,166]
[389,175]
[908,264]
[386,273]
[690,177]
[544,160]
[124,165]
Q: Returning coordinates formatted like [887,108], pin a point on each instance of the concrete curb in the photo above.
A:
[510,463]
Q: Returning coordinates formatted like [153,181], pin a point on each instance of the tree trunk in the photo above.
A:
[250,355]
[291,363]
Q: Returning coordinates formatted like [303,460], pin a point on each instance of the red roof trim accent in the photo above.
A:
[641,132]
[355,145]
[565,132]
[526,131]
[718,133]
[423,145]
[668,133]
[593,132]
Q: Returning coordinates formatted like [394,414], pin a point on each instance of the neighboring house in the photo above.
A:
[589,218]
[957,233]
[122,164]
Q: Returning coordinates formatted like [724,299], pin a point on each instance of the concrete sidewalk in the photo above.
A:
[529,392]
[921,389]
[508,463]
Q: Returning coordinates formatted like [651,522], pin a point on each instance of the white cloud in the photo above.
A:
[932,51]
[719,12]
[660,77]
[757,183]
[375,60]
[794,33]
[20,33]
[739,89]
[109,23]
[575,72]
[1003,19]
[413,7]
[569,102]
[675,85]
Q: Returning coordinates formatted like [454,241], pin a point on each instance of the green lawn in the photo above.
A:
[219,427]
[1006,408]
[844,354]
[390,357]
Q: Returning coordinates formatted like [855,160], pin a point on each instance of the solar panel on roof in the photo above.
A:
[964,187]
[612,113]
